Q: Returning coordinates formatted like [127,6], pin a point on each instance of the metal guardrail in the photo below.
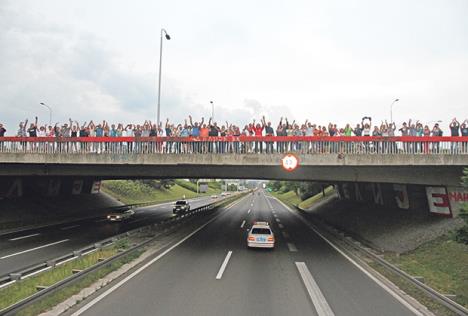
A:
[13,309]
[442,299]
[313,145]
[33,269]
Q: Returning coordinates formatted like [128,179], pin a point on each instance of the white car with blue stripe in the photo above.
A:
[261,236]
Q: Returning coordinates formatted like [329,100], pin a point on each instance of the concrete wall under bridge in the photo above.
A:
[435,170]
[437,200]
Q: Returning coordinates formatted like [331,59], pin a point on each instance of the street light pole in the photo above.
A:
[391,110]
[50,112]
[212,110]
[163,31]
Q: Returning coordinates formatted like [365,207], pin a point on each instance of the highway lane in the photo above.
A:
[212,273]
[20,250]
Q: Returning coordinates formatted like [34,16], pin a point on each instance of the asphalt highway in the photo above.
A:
[213,273]
[24,249]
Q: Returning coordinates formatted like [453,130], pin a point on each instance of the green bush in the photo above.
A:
[187,185]
[461,235]
[214,185]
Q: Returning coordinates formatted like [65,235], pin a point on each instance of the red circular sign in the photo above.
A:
[290,162]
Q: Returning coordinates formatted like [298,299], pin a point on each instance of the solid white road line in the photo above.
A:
[131,276]
[243,223]
[319,301]
[281,226]
[69,227]
[223,266]
[285,234]
[24,237]
[292,247]
[373,278]
[32,249]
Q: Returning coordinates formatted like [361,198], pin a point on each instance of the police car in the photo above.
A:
[260,236]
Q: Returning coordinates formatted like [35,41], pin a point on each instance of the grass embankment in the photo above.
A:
[213,187]
[442,262]
[27,287]
[292,199]
[131,192]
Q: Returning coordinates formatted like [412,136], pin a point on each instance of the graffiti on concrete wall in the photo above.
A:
[401,196]
[438,200]
[11,187]
[446,201]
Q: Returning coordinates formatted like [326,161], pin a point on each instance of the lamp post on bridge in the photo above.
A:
[391,110]
[50,111]
[435,121]
[163,31]
[212,110]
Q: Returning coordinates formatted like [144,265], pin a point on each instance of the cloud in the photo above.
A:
[312,60]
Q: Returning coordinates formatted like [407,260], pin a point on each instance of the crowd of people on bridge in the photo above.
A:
[201,131]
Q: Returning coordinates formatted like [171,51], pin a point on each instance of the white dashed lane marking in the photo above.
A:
[24,237]
[32,249]
[69,227]
[319,301]
[223,266]
[292,247]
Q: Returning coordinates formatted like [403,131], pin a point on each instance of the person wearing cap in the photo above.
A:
[436,132]
[455,132]
[464,132]
[2,134]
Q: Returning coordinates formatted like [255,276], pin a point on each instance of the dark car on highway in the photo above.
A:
[120,216]
[181,206]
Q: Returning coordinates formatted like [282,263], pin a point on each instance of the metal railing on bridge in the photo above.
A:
[356,145]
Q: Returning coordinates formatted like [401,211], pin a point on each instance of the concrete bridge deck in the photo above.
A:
[427,169]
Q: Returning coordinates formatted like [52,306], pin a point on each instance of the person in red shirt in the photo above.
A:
[258,132]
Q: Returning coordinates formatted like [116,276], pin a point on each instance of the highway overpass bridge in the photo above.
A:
[407,169]
[404,171]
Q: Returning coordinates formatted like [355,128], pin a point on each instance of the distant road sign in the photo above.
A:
[290,162]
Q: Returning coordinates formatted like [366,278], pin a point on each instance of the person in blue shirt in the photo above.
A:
[196,132]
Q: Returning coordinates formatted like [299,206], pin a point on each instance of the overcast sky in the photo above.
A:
[322,60]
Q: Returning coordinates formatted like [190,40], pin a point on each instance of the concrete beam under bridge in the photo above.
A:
[410,169]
